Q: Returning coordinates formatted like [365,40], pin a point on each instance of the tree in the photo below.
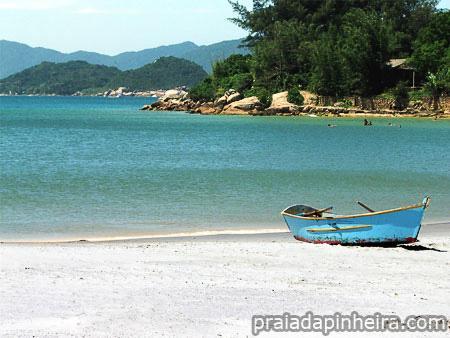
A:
[432,44]
[295,97]
[327,75]
[401,95]
[437,84]
[334,47]
[366,44]
[233,73]
[204,91]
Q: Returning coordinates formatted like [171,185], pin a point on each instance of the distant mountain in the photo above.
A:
[15,57]
[206,56]
[167,72]
[73,76]
[133,60]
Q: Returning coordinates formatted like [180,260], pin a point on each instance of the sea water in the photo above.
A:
[90,167]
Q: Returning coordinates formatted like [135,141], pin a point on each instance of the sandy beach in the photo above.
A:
[211,286]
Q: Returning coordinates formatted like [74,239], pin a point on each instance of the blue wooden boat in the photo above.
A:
[388,227]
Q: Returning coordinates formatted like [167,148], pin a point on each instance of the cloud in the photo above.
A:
[36,5]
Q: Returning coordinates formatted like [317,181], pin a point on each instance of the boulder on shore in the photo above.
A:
[221,101]
[281,105]
[248,106]
[174,94]
[228,97]
[234,97]
[309,98]
[207,109]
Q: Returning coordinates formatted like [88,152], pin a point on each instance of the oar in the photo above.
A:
[365,206]
[315,212]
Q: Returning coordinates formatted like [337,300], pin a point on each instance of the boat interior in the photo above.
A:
[310,212]
[307,211]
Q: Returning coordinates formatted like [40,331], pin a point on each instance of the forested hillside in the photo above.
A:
[70,77]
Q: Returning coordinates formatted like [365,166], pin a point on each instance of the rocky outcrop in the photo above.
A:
[234,97]
[308,97]
[174,94]
[280,105]
[248,106]
[232,103]
[207,108]
[182,104]
[228,97]
[123,91]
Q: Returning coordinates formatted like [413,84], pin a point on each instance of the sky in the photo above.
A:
[115,26]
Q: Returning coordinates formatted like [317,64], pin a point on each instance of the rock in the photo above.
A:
[206,109]
[247,106]
[221,101]
[307,109]
[281,105]
[228,97]
[156,105]
[174,94]
[121,90]
[309,98]
[230,92]
[233,97]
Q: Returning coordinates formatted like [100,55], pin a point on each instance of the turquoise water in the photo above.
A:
[98,167]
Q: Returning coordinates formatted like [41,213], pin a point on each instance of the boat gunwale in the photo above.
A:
[415,206]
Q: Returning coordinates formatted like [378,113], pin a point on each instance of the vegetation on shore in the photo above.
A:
[335,48]
[80,76]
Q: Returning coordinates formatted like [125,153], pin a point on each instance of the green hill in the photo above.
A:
[70,77]
[59,78]
[166,72]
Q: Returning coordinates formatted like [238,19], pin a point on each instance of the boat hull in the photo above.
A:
[386,228]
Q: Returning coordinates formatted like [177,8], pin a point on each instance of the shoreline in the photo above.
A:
[427,228]
[321,111]
[234,103]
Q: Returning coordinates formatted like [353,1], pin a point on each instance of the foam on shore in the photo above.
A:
[205,233]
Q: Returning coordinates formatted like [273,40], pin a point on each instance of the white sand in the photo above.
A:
[211,286]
